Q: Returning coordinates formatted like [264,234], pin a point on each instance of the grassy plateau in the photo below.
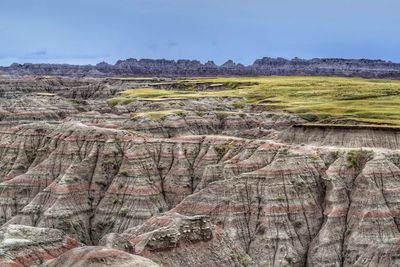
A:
[322,99]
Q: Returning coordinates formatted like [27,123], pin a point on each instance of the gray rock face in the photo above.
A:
[193,68]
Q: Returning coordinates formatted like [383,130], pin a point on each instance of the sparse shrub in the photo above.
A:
[261,229]
[289,260]
[297,224]
[280,198]
[124,173]
[357,158]
[309,117]
[19,167]
[106,224]
[221,150]
[284,151]
[124,211]
[68,181]
[221,115]
[240,104]
[224,148]
[180,113]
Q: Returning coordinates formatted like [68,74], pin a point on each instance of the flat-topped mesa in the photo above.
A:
[193,68]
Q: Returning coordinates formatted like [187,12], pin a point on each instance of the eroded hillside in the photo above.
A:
[190,173]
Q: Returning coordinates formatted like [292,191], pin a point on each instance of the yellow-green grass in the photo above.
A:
[314,98]
[135,79]
[45,94]
[157,115]
[151,94]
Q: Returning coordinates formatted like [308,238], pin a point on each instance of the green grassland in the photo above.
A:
[322,99]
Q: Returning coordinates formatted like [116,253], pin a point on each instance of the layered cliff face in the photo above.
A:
[193,68]
[84,183]
[343,136]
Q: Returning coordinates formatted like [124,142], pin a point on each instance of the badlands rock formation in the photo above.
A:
[193,68]
[84,183]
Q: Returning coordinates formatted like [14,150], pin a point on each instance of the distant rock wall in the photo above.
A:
[192,68]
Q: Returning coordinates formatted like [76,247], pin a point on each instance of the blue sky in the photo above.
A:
[90,31]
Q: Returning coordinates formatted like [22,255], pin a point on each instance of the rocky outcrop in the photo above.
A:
[169,239]
[26,246]
[193,68]
[98,257]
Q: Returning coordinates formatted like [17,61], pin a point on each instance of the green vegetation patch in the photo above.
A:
[151,94]
[357,158]
[322,99]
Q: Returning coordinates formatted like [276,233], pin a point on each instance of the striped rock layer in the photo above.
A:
[192,199]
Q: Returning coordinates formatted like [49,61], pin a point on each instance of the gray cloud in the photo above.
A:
[41,53]
[153,48]
[172,44]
